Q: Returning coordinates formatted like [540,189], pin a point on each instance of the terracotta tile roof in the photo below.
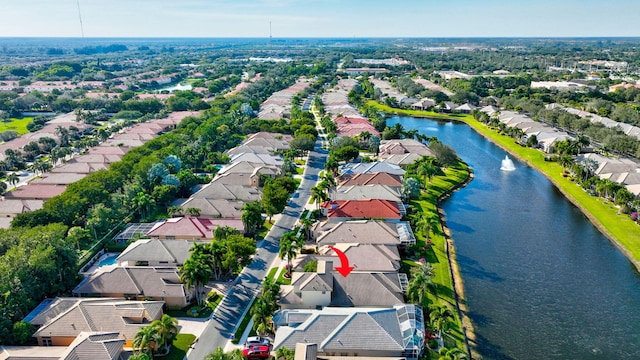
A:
[379,178]
[370,208]
[36,192]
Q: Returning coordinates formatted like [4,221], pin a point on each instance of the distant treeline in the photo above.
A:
[91,50]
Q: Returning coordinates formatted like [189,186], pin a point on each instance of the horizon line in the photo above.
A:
[324,37]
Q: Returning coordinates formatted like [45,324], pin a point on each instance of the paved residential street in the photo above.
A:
[230,311]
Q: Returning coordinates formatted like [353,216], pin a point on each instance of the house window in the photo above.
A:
[164,262]
[170,237]
[46,341]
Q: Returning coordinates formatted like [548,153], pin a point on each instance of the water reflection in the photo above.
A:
[541,282]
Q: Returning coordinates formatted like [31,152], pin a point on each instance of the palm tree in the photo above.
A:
[440,318]
[423,226]
[3,187]
[195,272]
[328,182]
[428,167]
[289,246]
[332,165]
[223,232]
[143,203]
[219,354]
[252,217]
[146,340]
[13,179]
[420,284]
[262,316]
[284,354]
[63,135]
[141,356]
[193,212]
[167,329]
[307,223]
[174,210]
[318,195]
[451,354]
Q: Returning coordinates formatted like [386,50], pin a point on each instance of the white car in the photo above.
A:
[257,340]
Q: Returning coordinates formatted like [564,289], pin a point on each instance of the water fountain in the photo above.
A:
[507,164]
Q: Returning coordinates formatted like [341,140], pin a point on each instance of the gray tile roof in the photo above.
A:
[380,330]
[97,315]
[265,159]
[358,231]
[400,159]
[314,330]
[367,192]
[246,167]
[213,207]
[314,282]
[357,289]
[95,346]
[368,168]
[350,330]
[228,192]
[367,289]
[367,257]
[141,281]
[174,252]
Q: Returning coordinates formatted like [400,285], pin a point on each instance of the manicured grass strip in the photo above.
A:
[180,347]
[18,125]
[436,253]
[415,113]
[603,214]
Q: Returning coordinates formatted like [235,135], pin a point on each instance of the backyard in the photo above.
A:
[18,125]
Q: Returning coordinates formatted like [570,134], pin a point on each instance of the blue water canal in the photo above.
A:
[541,282]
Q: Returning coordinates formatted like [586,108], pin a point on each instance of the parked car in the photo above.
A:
[257,340]
[256,352]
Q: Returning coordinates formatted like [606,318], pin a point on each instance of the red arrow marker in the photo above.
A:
[344,267]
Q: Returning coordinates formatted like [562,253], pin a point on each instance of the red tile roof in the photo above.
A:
[359,209]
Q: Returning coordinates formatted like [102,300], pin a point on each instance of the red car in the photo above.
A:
[256,352]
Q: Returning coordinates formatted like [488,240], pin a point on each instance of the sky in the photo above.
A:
[319,18]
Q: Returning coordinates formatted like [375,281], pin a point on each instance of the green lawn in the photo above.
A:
[603,214]
[180,347]
[18,125]
[436,254]
[415,113]
[195,311]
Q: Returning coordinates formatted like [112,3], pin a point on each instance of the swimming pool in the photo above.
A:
[109,260]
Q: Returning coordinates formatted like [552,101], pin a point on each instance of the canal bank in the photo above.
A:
[458,285]
[620,230]
[540,281]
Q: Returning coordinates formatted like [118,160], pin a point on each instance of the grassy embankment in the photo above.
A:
[18,125]
[603,214]
[439,251]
